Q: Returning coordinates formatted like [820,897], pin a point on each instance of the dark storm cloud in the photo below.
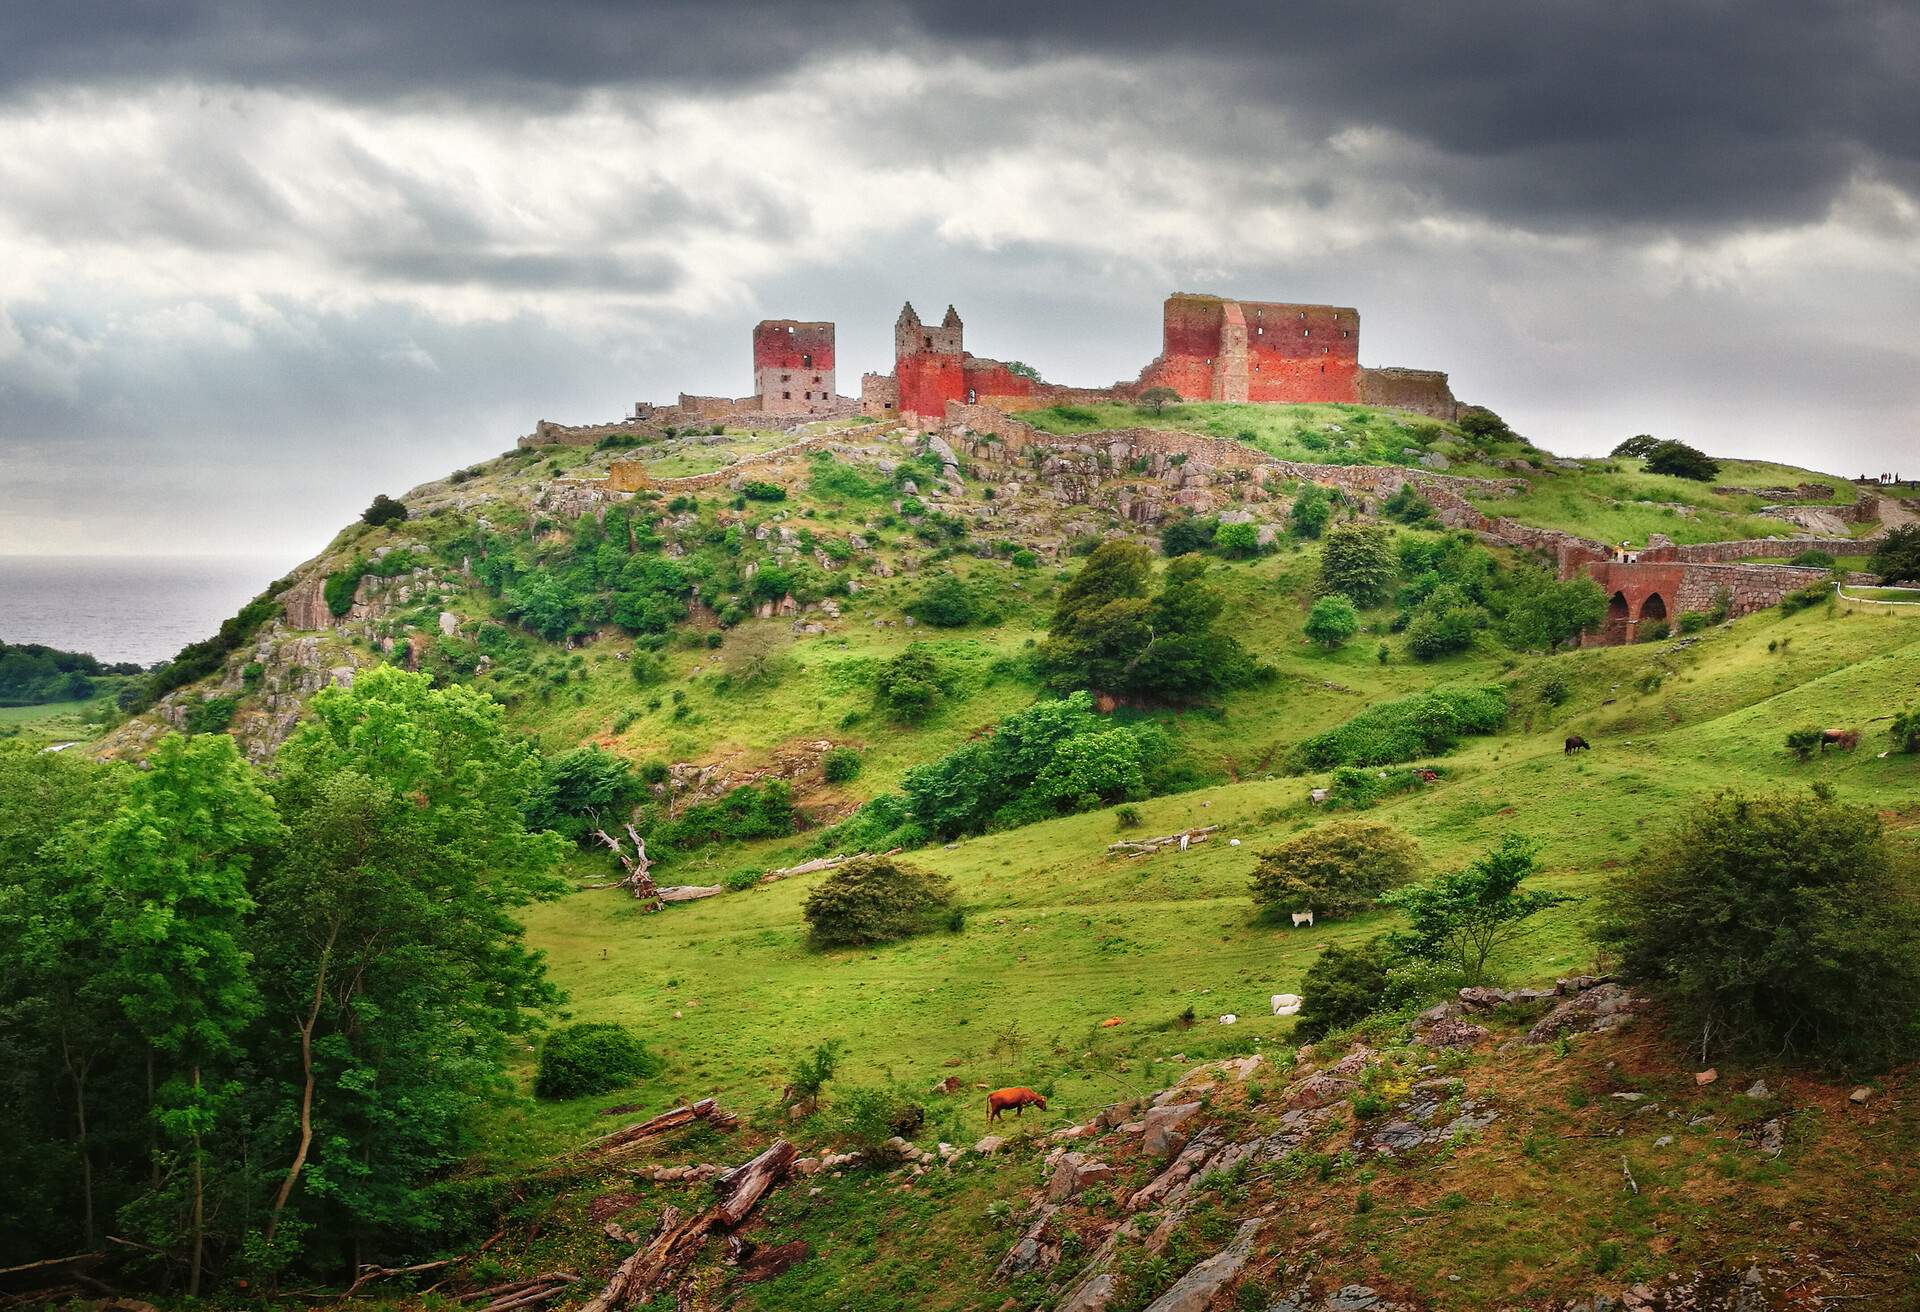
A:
[1575,113]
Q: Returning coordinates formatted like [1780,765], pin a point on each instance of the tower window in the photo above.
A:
[786,396]
[929,343]
[806,362]
[972,396]
[1305,332]
[816,378]
[1259,332]
[786,378]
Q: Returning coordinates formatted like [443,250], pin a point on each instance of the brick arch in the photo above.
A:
[1619,614]
[1652,607]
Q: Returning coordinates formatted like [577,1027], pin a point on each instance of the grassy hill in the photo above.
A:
[1061,936]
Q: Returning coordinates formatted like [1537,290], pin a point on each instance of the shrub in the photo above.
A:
[1355,789]
[1127,817]
[875,900]
[947,603]
[1655,631]
[1681,461]
[1187,533]
[591,1057]
[1462,916]
[1480,422]
[1342,987]
[340,586]
[1024,559]
[1444,624]
[1897,558]
[1409,507]
[1776,924]
[865,1118]
[1425,724]
[1905,731]
[1801,598]
[812,1071]
[760,490]
[211,714]
[384,510]
[1336,869]
[840,764]
[1694,620]
[1156,399]
[1237,541]
[1814,559]
[763,810]
[1803,743]
[907,687]
[1311,510]
[1637,448]
[1358,561]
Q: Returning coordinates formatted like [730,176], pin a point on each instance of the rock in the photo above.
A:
[1356,1061]
[1628,1097]
[1286,1004]
[1115,1114]
[1319,1089]
[1193,1291]
[1482,998]
[1860,1095]
[1451,1033]
[1241,1069]
[1093,1296]
[1398,1137]
[1075,1172]
[1759,1089]
[1773,1137]
[449,623]
[1706,1076]
[1163,1133]
[1663,1141]
[1352,1298]
[1599,1008]
[990,1145]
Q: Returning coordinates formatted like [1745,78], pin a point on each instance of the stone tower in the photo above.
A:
[793,366]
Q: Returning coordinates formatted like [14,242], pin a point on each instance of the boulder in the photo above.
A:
[1093,1296]
[1320,1089]
[1450,1033]
[1599,1008]
[1075,1172]
[1163,1132]
[990,1145]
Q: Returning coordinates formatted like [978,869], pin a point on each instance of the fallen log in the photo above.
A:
[677,1240]
[688,892]
[619,1141]
[51,1261]
[1148,846]
[371,1273]
[818,864]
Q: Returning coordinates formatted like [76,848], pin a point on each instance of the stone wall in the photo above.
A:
[793,366]
[547,433]
[1423,391]
[1769,548]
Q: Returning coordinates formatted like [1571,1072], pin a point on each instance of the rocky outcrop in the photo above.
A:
[1193,1291]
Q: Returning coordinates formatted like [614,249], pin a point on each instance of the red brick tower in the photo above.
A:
[793,366]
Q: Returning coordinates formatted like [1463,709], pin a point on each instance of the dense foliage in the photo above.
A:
[1775,925]
[1358,562]
[268,1014]
[590,1057]
[1681,461]
[586,789]
[1311,510]
[384,510]
[874,900]
[949,602]
[907,687]
[1342,987]
[1332,620]
[1108,635]
[1896,559]
[1424,724]
[31,674]
[1335,869]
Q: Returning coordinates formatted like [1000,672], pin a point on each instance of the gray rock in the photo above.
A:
[1163,1132]
[1093,1296]
[1352,1298]
[1193,1291]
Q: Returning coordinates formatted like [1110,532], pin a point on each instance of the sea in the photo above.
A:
[127,608]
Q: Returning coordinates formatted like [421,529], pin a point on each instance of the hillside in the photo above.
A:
[716,608]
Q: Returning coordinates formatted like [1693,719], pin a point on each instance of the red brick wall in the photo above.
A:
[1291,352]
[784,343]
[928,382]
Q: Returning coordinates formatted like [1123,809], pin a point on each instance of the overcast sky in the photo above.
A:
[261,261]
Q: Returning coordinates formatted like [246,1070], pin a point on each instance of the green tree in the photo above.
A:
[1335,869]
[174,862]
[1541,612]
[1184,533]
[1108,635]
[1332,621]
[1444,623]
[1681,461]
[583,789]
[1156,399]
[1638,447]
[1897,557]
[590,1057]
[907,686]
[1312,509]
[1776,924]
[1358,562]
[874,900]
[1905,730]
[384,510]
[1237,541]
[1478,421]
[395,970]
[1460,917]
[947,603]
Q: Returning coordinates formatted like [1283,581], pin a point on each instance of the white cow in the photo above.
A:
[1286,1004]
[1303,918]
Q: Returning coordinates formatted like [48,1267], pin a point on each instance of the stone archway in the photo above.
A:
[1652,610]
[1618,615]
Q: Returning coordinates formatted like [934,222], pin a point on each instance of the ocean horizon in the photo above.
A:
[127,608]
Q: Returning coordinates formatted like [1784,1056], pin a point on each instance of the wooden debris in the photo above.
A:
[816,865]
[522,1293]
[636,867]
[1148,846]
[689,892]
[619,1141]
[677,1240]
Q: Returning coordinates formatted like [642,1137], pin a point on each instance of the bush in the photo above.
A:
[760,490]
[947,603]
[1681,461]
[1342,987]
[1637,448]
[211,714]
[384,510]
[875,900]
[907,687]
[1897,558]
[1425,724]
[1906,731]
[1694,620]
[1654,631]
[1188,533]
[1444,624]
[1156,399]
[1776,924]
[1462,916]
[1334,870]
[812,1071]
[591,1057]
[1801,598]
[1803,743]
[1332,621]
[1814,559]
[1357,561]
[1480,422]
[1127,817]
[1408,507]
[1311,510]
[1237,541]
[1356,789]
[840,764]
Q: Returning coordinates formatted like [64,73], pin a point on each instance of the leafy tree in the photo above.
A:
[584,787]
[1342,987]
[591,1057]
[1897,558]
[761,490]
[1358,562]
[1480,422]
[1638,447]
[1681,461]
[1906,730]
[1542,612]
[1187,533]
[211,714]
[1157,399]
[1108,635]
[907,687]
[1444,623]
[173,864]
[1408,507]
[839,765]
[1335,869]
[1460,917]
[393,965]
[1021,369]
[947,603]
[384,510]
[1090,768]
[1312,509]
[874,900]
[1776,924]
[1332,621]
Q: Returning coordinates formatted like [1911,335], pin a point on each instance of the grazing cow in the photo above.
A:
[1286,1004]
[1303,918]
[1014,1100]
[1845,739]
[1427,776]
[1575,743]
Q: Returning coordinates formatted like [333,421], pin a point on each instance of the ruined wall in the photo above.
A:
[1215,349]
[1423,391]
[1771,548]
[879,396]
[793,366]
[927,381]
[547,433]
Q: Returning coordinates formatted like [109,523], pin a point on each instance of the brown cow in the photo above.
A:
[1014,1100]
[1845,739]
